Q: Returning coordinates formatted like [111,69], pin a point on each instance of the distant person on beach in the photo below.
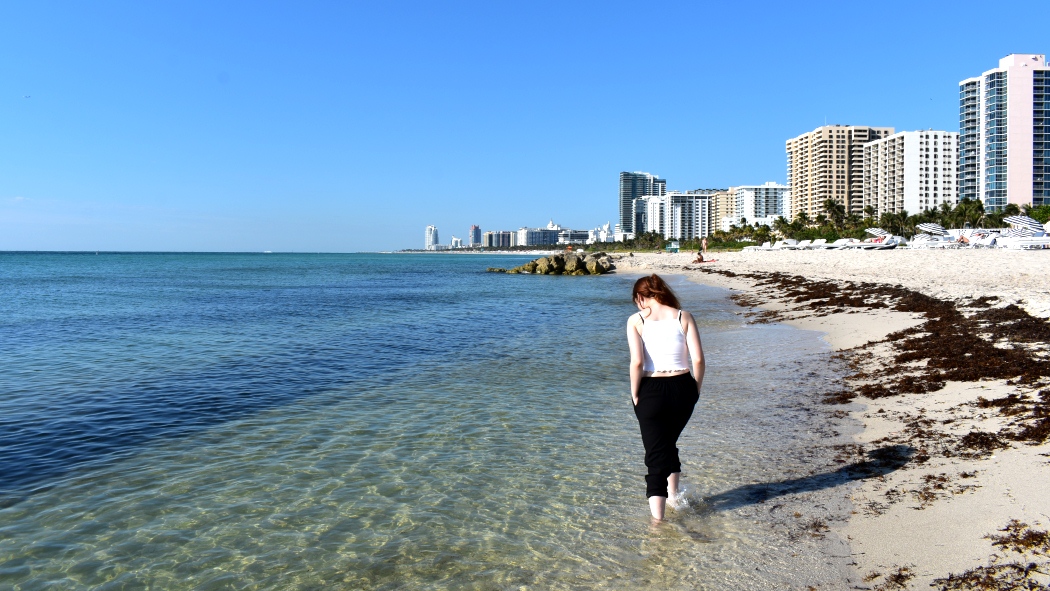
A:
[665,343]
[699,257]
[703,245]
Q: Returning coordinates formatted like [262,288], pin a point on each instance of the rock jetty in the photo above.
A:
[597,263]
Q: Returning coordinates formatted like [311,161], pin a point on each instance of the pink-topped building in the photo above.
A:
[1004,133]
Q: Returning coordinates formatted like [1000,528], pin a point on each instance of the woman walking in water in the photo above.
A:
[665,344]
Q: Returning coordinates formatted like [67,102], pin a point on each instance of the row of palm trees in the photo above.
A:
[834,222]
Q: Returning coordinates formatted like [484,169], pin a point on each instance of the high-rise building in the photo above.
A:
[600,234]
[634,186]
[760,204]
[498,239]
[456,243]
[723,207]
[1004,133]
[677,215]
[431,241]
[474,237]
[538,236]
[827,163]
[911,171]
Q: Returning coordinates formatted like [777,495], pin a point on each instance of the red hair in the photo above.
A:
[655,287]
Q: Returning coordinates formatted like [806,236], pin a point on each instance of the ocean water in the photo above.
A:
[250,421]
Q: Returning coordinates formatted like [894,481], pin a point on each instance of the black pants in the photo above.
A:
[664,407]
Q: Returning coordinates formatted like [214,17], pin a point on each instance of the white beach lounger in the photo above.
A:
[1025,243]
[765,246]
[818,243]
[841,243]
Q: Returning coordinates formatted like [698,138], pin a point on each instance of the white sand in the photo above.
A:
[1013,275]
[899,520]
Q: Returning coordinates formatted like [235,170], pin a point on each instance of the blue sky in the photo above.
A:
[339,127]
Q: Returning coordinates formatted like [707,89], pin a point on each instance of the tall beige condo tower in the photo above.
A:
[828,163]
[723,205]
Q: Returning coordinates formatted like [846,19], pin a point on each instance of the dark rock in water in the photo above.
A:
[573,263]
[557,263]
[568,264]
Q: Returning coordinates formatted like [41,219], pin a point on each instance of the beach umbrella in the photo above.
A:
[1019,232]
[1024,221]
[935,229]
[922,237]
[877,232]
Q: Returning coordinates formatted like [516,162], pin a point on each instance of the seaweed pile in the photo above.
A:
[965,342]
[1022,561]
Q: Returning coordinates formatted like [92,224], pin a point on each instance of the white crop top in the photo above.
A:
[664,345]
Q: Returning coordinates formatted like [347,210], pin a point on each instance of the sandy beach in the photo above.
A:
[949,354]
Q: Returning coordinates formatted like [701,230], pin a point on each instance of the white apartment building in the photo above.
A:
[634,186]
[430,241]
[1005,133]
[760,204]
[678,215]
[538,236]
[911,171]
[456,243]
[600,234]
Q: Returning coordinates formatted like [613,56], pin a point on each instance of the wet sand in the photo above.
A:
[950,359]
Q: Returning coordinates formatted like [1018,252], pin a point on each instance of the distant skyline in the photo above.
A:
[338,127]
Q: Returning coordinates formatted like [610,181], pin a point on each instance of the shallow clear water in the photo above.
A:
[379,422]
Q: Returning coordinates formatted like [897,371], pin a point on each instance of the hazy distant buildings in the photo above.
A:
[600,234]
[634,186]
[474,237]
[539,236]
[911,171]
[499,239]
[1004,133]
[827,163]
[456,243]
[760,204]
[430,242]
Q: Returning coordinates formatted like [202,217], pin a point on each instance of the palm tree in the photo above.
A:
[994,219]
[835,211]
[968,211]
[943,215]
[782,226]
[899,223]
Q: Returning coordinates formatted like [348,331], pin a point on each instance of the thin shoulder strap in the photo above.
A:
[642,317]
[679,316]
